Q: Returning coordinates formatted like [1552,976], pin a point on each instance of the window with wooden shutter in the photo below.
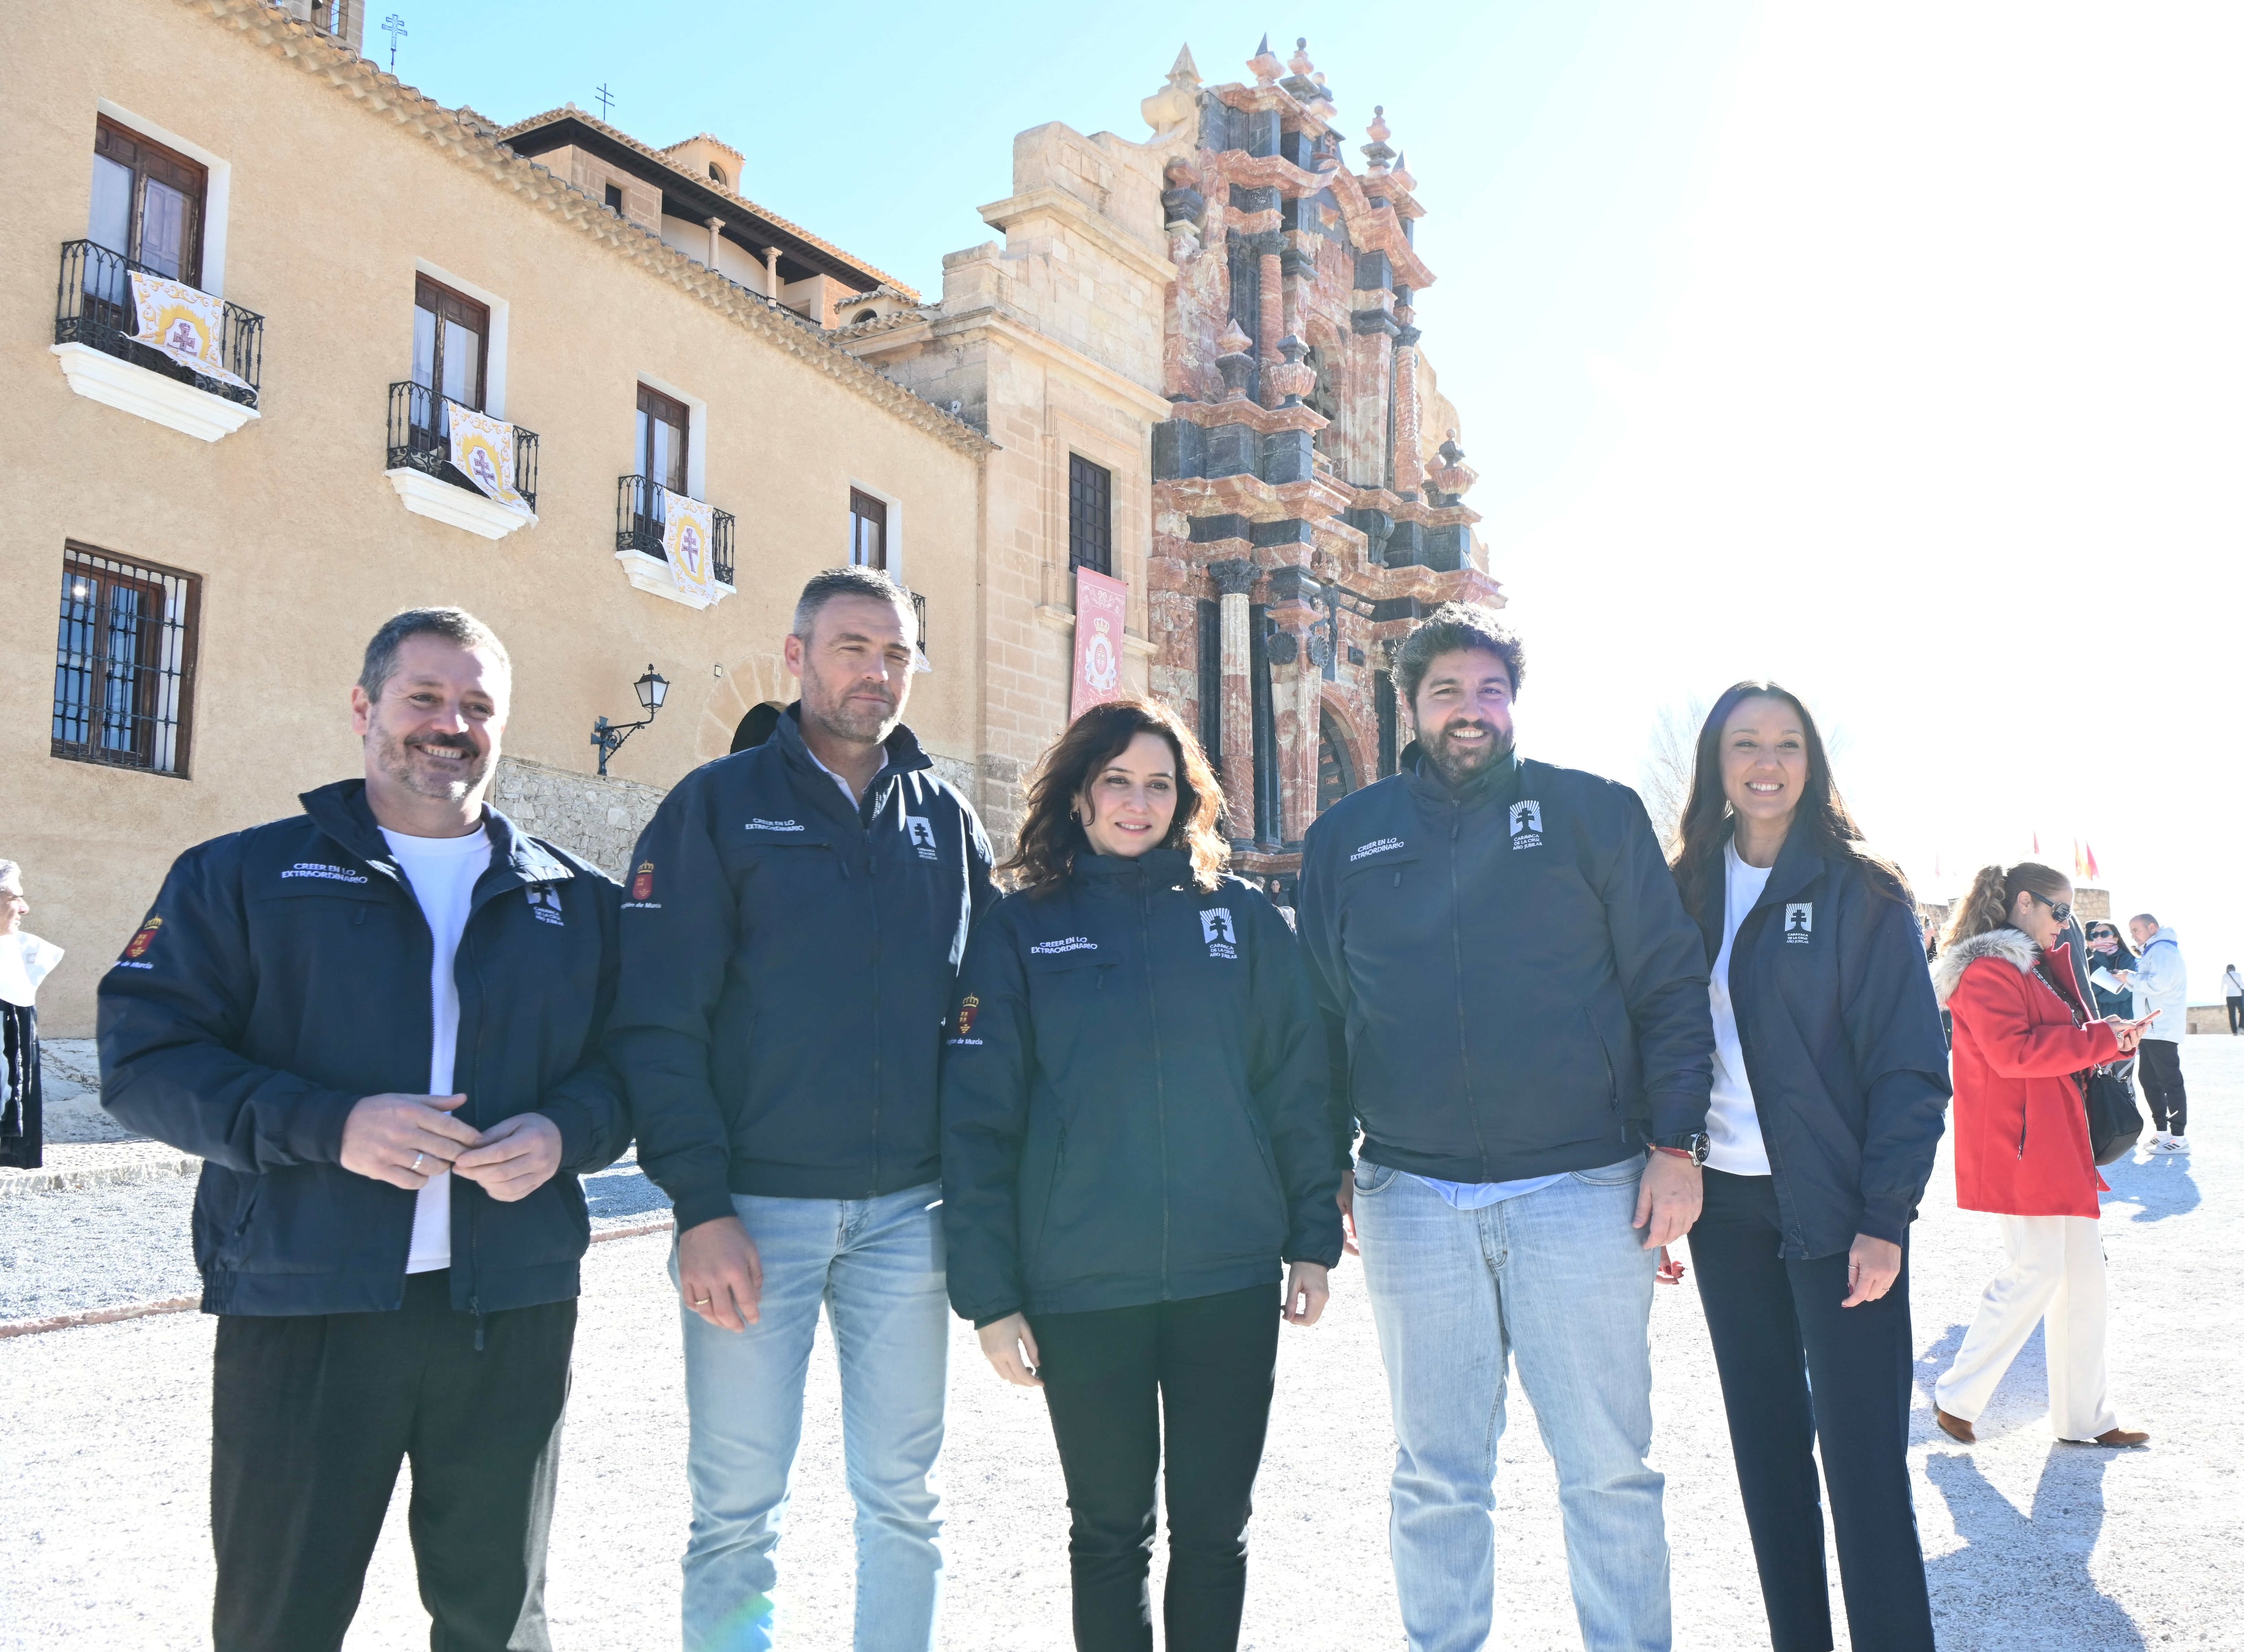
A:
[663,423]
[147,203]
[868,529]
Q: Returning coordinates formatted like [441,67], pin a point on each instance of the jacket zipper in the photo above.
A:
[872,900]
[1457,957]
[1160,1081]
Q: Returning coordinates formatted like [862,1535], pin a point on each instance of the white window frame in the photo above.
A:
[218,187]
[894,547]
[697,432]
[495,358]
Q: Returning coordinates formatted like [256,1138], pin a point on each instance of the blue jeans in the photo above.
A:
[1557,1280]
[876,1266]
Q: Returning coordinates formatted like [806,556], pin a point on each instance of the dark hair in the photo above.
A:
[453,625]
[1705,826]
[1449,628]
[1994,891]
[2118,936]
[1050,837]
[849,582]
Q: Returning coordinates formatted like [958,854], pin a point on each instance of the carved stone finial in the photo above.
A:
[1234,341]
[1178,101]
[1265,64]
[1454,476]
[1292,379]
[1403,181]
[1234,359]
[1376,150]
[1298,84]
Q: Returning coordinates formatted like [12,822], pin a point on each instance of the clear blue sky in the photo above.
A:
[1891,351]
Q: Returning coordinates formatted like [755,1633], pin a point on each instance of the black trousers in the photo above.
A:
[311,1415]
[2158,1069]
[2235,1016]
[1777,1327]
[1205,1368]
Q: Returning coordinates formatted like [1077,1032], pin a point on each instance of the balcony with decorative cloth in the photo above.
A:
[135,339]
[459,467]
[644,535]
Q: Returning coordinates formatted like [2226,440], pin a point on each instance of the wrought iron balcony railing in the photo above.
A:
[93,306]
[420,439]
[919,609]
[639,523]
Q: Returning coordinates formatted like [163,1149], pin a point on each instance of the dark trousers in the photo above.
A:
[311,1415]
[1112,1378]
[1777,1327]
[2235,1016]
[2158,1069]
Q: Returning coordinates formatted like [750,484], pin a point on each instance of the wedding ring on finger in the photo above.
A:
[700,1302]
[417,1157]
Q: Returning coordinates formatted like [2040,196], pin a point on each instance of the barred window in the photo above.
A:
[124,663]
[1090,516]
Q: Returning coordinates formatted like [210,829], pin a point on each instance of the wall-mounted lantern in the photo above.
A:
[608,737]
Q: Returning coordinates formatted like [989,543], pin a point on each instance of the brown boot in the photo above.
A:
[1954,1427]
[2123,1436]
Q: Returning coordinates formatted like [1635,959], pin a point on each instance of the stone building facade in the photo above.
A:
[1286,481]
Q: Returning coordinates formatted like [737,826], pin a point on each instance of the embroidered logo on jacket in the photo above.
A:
[1799,922]
[143,940]
[759,824]
[1377,846]
[545,903]
[1215,928]
[642,889]
[1527,824]
[922,835]
[321,869]
[1066,943]
[968,1007]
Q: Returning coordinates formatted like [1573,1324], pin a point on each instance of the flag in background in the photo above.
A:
[2088,854]
[2036,846]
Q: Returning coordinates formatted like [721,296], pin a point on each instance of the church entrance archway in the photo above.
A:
[1336,775]
[756,727]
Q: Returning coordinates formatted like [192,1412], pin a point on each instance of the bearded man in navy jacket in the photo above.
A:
[1517,1003]
[378,1022]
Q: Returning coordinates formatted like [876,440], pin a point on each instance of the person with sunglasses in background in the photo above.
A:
[2025,1035]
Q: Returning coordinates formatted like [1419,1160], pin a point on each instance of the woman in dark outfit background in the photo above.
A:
[1830,1091]
[1135,1133]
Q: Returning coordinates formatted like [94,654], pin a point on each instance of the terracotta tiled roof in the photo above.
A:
[662,157]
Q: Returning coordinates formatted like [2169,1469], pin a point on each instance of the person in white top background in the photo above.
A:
[2231,988]
[24,962]
[2160,980]
[1830,1090]
[379,1023]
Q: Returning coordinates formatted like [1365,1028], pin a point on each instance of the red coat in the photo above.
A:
[2021,1128]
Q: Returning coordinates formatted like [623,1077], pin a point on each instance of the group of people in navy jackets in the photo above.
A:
[1107,1101]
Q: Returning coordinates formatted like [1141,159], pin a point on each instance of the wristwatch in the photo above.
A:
[1693,1147]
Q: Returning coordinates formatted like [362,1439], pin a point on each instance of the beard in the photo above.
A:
[400,758]
[1457,765]
[849,720]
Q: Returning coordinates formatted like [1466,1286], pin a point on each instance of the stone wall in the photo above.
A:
[599,818]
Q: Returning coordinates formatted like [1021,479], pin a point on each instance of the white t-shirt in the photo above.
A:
[1733,1124]
[442,872]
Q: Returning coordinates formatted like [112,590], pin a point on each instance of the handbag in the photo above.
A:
[2115,1123]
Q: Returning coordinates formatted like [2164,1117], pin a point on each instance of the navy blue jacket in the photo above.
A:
[1134,1100]
[788,962]
[1843,1046]
[1513,987]
[282,975]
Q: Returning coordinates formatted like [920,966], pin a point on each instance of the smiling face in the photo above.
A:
[855,668]
[1463,711]
[1764,760]
[1128,805]
[434,731]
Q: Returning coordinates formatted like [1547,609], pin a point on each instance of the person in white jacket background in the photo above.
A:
[2160,980]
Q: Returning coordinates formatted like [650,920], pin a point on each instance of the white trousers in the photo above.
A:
[2055,1277]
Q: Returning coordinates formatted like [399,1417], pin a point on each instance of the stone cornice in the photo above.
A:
[1252,497]
[470,145]
[1239,410]
[1412,509]
[1058,203]
[1021,334]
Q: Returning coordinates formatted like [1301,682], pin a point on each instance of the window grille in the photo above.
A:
[1090,516]
[124,663]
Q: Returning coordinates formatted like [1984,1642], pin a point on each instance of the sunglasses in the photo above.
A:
[2060,910]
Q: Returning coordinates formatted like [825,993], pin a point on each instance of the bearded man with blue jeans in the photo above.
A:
[1517,1006]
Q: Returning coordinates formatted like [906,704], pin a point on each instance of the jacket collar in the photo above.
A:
[341,810]
[2012,946]
[1500,780]
[1798,869]
[902,749]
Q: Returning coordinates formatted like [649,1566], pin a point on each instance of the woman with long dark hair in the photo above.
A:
[2025,1040]
[1135,1134]
[1830,1085]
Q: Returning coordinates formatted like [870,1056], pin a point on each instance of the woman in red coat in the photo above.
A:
[2024,1040]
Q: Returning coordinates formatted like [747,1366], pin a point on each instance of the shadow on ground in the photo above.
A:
[2022,1572]
[2158,1186]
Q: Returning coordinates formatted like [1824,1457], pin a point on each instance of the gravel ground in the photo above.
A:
[2031,1545]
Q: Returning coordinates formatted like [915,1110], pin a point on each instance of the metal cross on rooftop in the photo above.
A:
[606,98]
[393,26]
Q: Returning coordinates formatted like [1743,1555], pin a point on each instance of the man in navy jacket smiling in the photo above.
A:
[1517,1006]
[796,917]
[378,1022]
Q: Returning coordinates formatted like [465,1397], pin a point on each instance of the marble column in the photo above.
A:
[1409,462]
[1271,322]
[1234,580]
[716,240]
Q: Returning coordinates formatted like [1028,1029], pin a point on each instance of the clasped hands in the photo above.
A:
[406,1140]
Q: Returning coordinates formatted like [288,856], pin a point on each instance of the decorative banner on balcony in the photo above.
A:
[689,541]
[1101,607]
[183,324]
[482,451]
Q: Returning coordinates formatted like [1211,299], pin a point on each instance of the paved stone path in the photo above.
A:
[2032,1545]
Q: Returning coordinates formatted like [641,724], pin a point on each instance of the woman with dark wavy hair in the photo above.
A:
[1830,1087]
[1135,1134]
